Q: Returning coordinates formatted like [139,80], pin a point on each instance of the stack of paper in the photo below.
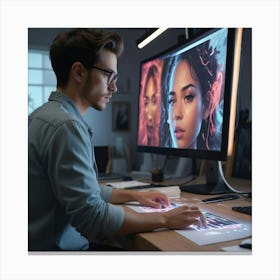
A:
[170,191]
[127,184]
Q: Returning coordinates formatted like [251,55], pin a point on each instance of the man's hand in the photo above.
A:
[184,216]
[154,199]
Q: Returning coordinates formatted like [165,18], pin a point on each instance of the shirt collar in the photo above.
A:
[69,104]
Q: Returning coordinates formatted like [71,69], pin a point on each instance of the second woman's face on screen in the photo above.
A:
[185,107]
[150,106]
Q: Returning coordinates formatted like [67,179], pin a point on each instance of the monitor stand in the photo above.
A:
[214,181]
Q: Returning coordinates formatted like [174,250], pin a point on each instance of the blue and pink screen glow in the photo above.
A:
[181,102]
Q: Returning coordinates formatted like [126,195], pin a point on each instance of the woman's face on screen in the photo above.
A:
[150,106]
[185,107]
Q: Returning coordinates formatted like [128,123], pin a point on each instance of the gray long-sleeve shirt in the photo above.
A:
[65,202]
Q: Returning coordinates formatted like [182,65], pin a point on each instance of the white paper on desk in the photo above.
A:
[217,235]
[236,249]
[146,209]
[126,184]
[170,191]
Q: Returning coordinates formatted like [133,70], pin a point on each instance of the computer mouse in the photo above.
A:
[246,243]
[127,178]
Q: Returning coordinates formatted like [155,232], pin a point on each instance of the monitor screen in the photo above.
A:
[184,98]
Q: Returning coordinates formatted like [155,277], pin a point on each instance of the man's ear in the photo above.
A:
[78,71]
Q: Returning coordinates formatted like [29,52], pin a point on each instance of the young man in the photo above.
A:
[67,208]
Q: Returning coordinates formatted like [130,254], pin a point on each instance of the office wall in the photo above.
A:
[245,74]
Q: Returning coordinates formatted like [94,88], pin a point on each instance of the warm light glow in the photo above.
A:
[151,37]
[235,78]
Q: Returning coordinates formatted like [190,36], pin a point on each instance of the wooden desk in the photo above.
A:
[169,240]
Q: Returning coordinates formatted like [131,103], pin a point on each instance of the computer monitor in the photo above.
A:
[184,101]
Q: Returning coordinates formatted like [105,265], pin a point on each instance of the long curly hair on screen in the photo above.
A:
[204,65]
[152,69]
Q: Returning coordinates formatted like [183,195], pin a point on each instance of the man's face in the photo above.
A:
[96,89]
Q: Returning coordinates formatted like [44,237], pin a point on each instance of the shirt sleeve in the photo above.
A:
[74,182]
[106,192]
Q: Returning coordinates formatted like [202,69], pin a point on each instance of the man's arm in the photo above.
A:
[178,218]
[134,222]
[154,199]
[73,179]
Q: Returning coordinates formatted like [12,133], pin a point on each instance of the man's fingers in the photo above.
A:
[196,214]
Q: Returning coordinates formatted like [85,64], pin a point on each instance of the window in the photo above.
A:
[41,78]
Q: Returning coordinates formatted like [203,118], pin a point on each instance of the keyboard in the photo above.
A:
[215,222]
[243,209]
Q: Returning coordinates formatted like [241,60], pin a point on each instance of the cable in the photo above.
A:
[225,181]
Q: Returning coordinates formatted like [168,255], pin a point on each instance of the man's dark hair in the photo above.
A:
[81,45]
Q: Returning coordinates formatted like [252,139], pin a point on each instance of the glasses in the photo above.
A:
[112,76]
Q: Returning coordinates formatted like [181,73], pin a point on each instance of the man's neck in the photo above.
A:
[75,97]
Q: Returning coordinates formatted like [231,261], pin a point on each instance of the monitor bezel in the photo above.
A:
[197,153]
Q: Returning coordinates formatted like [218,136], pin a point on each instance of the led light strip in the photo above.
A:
[151,37]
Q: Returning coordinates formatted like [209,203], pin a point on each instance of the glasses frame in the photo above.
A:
[112,77]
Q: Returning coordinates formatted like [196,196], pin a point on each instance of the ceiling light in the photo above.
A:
[151,37]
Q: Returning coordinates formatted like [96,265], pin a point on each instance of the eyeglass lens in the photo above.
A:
[112,77]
